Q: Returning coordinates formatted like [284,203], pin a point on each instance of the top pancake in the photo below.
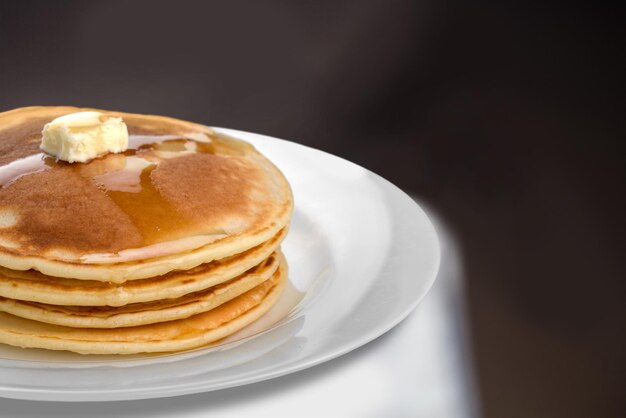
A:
[180,196]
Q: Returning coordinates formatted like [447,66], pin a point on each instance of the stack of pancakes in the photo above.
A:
[168,246]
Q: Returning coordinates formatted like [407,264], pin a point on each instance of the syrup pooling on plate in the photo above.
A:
[153,192]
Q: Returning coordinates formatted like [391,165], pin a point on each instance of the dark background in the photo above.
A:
[507,118]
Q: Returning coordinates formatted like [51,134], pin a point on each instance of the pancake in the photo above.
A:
[143,313]
[30,285]
[182,334]
[181,196]
[167,246]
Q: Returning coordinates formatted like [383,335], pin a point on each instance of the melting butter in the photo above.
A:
[83,136]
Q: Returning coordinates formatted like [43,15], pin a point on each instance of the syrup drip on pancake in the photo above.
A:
[153,192]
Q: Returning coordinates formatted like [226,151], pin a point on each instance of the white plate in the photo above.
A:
[362,254]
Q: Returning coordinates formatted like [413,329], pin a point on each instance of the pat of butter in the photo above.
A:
[83,136]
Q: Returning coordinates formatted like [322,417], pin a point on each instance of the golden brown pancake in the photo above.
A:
[181,195]
[182,334]
[170,245]
[33,286]
[147,312]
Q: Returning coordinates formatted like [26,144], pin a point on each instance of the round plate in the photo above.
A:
[362,254]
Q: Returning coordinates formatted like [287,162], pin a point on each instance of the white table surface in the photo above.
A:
[419,368]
